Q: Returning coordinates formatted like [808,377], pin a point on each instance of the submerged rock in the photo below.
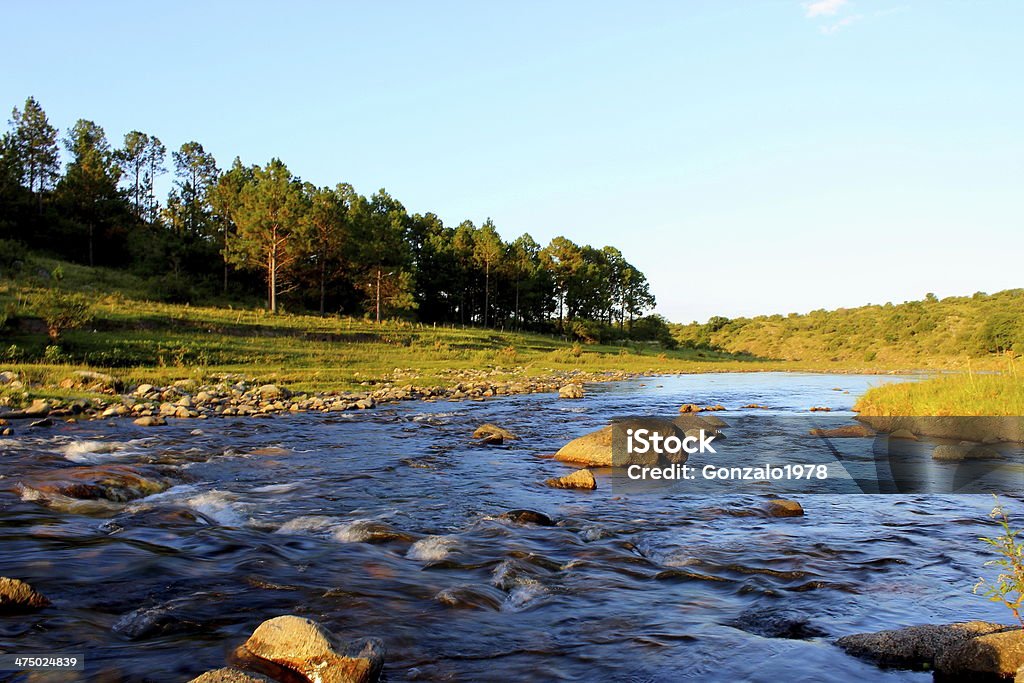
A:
[471,596]
[305,647]
[17,597]
[780,507]
[229,675]
[778,623]
[117,483]
[570,391]
[527,517]
[581,479]
[914,647]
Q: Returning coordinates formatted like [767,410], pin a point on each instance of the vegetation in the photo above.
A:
[969,393]
[1008,587]
[235,234]
[916,334]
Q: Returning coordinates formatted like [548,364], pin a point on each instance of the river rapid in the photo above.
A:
[387,523]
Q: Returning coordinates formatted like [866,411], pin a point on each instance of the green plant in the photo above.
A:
[1008,586]
[62,311]
[53,354]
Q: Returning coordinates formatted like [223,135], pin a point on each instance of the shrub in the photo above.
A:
[1008,587]
[62,311]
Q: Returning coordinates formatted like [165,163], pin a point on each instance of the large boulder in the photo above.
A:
[17,597]
[305,647]
[606,447]
[581,479]
[118,483]
[997,654]
[571,391]
[914,647]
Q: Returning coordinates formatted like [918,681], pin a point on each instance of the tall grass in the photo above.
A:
[968,393]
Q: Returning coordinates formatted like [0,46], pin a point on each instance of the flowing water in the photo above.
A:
[387,523]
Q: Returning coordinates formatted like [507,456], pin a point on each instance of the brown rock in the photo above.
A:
[229,675]
[490,430]
[845,432]
[903,434]
[997,654]
[306,647]
[581,479]
[914,646]
[151,421]
[570,391]
[781,507]
[17,597]
[973,452]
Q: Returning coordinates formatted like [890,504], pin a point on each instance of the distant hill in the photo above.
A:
[927,333]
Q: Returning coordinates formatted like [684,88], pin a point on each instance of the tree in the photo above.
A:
[196,171]
[487,250]
[327,218]
[89,187]
[224,197]
[269,220]
[34,147]
[563,258]
[384,253]
[523,258]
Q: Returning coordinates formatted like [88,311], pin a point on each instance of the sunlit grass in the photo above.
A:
[968,393]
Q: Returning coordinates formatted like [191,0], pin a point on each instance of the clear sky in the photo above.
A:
[750,157]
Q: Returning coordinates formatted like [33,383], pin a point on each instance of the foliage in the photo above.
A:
[62,311]
[969,393]
[1007,588]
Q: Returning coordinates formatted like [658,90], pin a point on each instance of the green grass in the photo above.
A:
[992,394]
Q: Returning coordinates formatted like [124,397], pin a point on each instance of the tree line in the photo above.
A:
[245,230]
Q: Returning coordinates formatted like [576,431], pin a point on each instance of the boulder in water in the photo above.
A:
[599,448]
[998,655]
[150,421]
[950,453]
[914,647]
[117,483]
[305,647]
[581,479]
[845,432]
[780,507]
[17,597]
[492,431]
[527,517]
[570,391]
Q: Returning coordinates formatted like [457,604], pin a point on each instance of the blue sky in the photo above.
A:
[750,157]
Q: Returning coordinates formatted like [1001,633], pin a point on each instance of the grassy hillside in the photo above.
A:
[139,339]
[918,334]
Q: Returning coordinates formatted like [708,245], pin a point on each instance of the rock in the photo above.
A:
[581,479]
[598,448]
[903,434]
[914,646]
[97,380]
[229,675]
[6,377]
[45,422]
[780,507]
[471,596]
[150,421]
[570,391]
[972,452]
[754,406]
[17,597]
[845,432]
[820,409]
[689,408]
[995,654]
[304,646]
[272,391]
[778,623]
[144,389]
[527,517]
[118,483]
[39,408]
[7,431]
[490,430]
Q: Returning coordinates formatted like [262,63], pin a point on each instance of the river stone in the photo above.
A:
[999,654]
[527,517]
[845,432]
[143,389]
[229,675]
[974,452]
[596,448]
[570,391]
[581,479]
[117,483]
[306,647]
[99,380]
[903,434]
[780,507]
[272,391]
[689,408]
[151,421]
[491,430]
[17,597]
[914,646]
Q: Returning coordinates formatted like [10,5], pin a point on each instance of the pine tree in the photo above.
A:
[35,149]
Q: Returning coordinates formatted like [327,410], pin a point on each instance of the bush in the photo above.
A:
[62,311]
[1008,587]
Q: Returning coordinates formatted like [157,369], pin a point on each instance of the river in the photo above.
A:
[386,523]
